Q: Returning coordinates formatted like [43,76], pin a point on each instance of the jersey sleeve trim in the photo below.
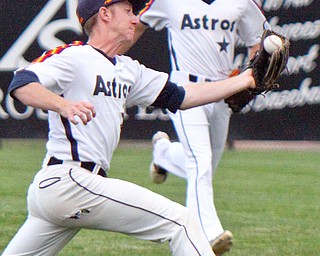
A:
[22,78]
[171,97]
[148,5]
[56,50]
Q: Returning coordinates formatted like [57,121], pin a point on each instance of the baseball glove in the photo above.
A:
[266,70]
[239,100]
[266,67]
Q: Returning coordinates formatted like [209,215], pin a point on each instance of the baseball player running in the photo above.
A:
[202,37]
[85,87]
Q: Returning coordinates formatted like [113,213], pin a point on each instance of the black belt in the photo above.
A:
[86,165]
[194,78]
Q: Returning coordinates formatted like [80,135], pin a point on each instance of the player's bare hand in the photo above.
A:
[248,74]
[80,111]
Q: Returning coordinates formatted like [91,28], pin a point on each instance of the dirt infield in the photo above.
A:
[245,145]
[278,145]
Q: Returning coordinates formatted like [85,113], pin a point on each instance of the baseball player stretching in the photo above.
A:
[86,88]
[202,36]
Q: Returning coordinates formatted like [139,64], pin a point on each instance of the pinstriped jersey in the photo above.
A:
[202,34]
[82,73]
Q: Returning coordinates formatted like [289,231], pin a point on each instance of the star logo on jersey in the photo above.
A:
[224,45]
[208,1]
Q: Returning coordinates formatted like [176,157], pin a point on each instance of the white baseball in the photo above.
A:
[272,43]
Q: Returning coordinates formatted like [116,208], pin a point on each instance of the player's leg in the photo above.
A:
[72,197]
[219,116]
[38,236]
[219,119]
[193,131]
[168,156]
[120,206]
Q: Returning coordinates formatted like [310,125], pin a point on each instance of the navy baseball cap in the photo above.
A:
[87,8]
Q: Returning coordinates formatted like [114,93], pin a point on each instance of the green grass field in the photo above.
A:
[269,200]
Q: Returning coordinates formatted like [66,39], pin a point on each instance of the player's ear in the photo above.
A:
[105,13]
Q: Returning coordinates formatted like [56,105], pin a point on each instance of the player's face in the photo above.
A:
[125,21]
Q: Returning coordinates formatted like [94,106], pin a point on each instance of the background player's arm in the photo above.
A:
[37,96]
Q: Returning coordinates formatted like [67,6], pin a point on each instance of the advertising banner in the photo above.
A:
[290,113]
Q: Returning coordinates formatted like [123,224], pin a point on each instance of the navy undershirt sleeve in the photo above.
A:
[171,97]
[21,78]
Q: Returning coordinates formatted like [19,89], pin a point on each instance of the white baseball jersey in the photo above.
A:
[110,85]
[65,195]
[190,22]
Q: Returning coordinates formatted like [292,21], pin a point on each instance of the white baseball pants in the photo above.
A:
[202,133]
[65,198]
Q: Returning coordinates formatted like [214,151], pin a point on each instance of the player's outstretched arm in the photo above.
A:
[197,94]
[37,96]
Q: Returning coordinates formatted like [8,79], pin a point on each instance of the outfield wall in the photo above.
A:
[292,113]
